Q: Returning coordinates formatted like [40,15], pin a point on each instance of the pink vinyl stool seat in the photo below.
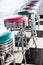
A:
[15,22]
[29,8]
[16,19]
[33,2]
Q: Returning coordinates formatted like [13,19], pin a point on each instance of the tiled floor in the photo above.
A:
[39,42]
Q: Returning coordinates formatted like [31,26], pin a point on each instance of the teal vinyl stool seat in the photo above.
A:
[35,1]
[26,12]
[6,48]
[5,37]
[31,5]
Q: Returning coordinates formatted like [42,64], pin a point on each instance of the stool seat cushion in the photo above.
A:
[16,19]
[31,5]
[33,2]
[29,8]
[5,37]
[26,12]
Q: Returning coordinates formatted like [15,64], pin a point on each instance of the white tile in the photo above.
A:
[39,43]
[18,57]
[41,19]
[40,28]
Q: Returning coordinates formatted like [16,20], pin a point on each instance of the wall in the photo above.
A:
[41,8]
[8,7]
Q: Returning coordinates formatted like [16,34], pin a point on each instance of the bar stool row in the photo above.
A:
[30,12]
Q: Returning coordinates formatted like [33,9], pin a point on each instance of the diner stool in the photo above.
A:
[6,48]
[33,23]
[18,22]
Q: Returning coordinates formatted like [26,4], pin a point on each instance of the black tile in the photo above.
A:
[39,33]
[35,56]
[18,63]
[0,61]
[16,44]
[11,64]
[41,22]
[41,16]
[28,59]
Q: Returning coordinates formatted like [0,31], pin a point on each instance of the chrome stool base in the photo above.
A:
[4,50]
[22,39]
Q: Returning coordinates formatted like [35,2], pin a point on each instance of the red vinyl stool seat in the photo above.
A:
[16,19]
[29,8]
[32,2]
[15,22]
